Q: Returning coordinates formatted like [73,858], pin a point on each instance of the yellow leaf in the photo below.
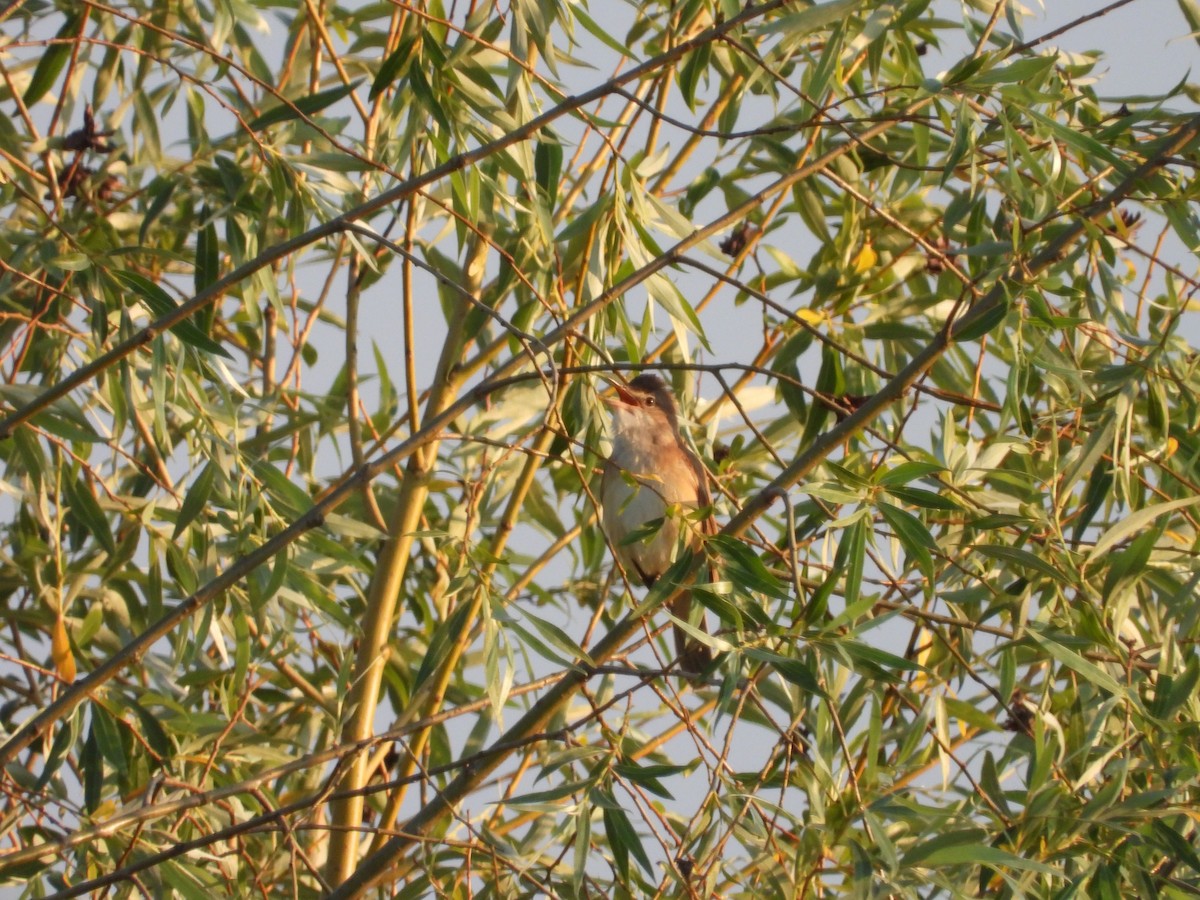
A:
[924,645]
[866,259]
[811,316]
[60,650]
[106,810]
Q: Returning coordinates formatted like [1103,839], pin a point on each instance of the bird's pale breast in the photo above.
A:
[662,480]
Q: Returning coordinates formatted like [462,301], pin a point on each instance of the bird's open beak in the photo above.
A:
[620,395]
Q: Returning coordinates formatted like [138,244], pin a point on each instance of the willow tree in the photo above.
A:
[305,313]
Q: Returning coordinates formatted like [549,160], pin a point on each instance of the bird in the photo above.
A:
[652,474]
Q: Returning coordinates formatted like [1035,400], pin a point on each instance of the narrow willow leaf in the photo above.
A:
[1072,660]
[153,733]
[54,57]
[923,498]
[304,106]
[86,508]
[207,267]
[934,853]
[793,670]
[1132,524]
[552,797]
[907,471]
[66,427]
[851,558]
[743,566]
[797,24]
[352,528]
[108,738]
[583,847]
[621,834]
[973,327]
[61,655]
[282,490]
[597,31]
[444,638]
[1021,558]
[161,304]
[1099,441]
[648,776]
[876,660]
[538,646]
[391,67]
[92,764]
[914,537]
[557,638]
[195,500]
[548,159]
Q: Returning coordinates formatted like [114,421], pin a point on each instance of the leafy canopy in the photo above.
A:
[303,589]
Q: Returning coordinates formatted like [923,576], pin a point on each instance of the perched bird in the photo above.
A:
[653,474]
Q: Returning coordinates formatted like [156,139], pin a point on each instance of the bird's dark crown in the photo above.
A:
[648,382]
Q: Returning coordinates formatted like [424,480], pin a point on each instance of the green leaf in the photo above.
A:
[876,661]
[305,106]
[648,776]
[907,471]
[1072,660]
[664,292]
[797,24]
[554,796]
[160,192]
[695,67]
[207,268]
[1078,138]
[1020,70]
[851,557]
[923,498]
[946,850]
[92,765]
[154,733]
[1171,692]
[353,528]
[1021,558]
[793,670]
[444,638]
[557,638]
[66,427]
[389,70]
[54,57]
[108,738]
[282,490]
[999,521]
[742,566]
[974,325]
[64,737]
[603,35]
[195,500]
[548,159]
[86,508]
[161,304]
[624,840]
[63,418]
[914,537]
[1132,524]
[1174,844]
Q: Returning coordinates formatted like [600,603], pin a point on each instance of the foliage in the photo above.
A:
[303,310]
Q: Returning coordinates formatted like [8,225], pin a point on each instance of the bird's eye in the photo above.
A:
[649,401]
